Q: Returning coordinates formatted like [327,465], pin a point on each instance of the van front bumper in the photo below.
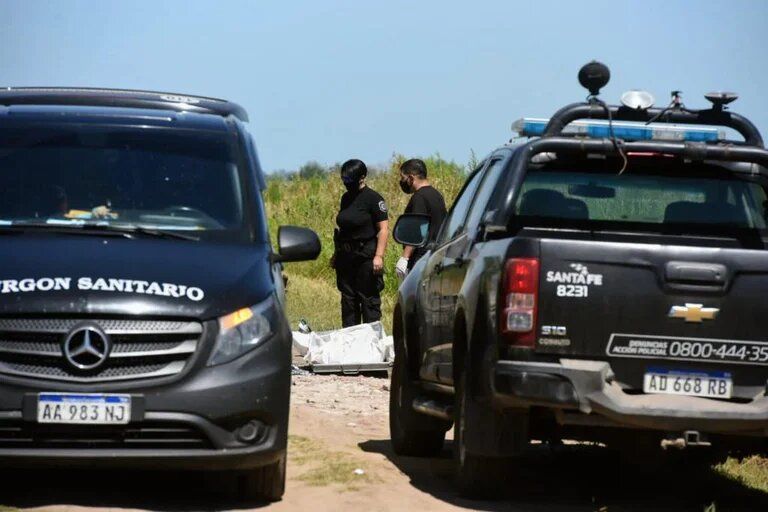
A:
[225,417]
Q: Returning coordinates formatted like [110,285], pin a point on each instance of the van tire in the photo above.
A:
[266,483]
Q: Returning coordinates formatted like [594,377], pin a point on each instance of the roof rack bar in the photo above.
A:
[123,98]
[711,117]
[694,150]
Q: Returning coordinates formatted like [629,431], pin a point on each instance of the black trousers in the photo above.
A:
[360,288]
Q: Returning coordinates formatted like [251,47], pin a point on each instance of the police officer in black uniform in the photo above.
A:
[425,200]
[360,241]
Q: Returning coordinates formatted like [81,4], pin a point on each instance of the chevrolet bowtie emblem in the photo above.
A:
[693,312]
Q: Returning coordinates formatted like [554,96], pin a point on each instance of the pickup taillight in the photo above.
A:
[520,297]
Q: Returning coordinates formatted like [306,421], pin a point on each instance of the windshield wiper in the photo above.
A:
[152,232]
[88,228]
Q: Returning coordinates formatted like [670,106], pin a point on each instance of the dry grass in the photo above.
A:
[313,299]
[337,469]
[303,449]
[325,467]
[750,472]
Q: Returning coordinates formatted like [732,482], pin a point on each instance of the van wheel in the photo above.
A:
[412,434]
[266,483]
[476,476]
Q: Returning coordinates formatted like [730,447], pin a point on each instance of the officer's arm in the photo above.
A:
[381,237]
[381,245]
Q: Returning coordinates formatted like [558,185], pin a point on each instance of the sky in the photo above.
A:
[332,80]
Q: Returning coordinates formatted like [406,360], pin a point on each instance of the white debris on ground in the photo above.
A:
[342,395]
[359,344]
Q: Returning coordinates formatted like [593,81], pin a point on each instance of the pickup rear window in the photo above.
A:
[658,202]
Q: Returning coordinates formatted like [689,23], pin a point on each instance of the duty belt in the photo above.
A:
[353,245]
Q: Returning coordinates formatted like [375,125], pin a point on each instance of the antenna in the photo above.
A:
[593,76]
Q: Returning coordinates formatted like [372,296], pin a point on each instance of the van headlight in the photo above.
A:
[244,330]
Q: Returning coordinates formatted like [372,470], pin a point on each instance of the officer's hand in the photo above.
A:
[378,264]
[401,268]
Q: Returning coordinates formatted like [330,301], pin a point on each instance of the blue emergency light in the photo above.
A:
[534,127]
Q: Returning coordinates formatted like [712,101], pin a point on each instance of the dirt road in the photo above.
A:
[340,459]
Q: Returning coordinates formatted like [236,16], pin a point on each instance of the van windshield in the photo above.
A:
[688,203]
[172,180]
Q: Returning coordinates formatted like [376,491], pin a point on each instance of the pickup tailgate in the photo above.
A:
[653,309]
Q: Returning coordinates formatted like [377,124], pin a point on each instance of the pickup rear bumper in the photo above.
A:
[584,394]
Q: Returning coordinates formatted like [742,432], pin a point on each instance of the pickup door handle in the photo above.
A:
[454,262]
[701,274]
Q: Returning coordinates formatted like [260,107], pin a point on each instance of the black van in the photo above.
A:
[142,318]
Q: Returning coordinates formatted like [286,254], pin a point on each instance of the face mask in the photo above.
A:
[404,186]
[351,185]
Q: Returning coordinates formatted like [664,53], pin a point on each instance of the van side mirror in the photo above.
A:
[412,229]
[296,244]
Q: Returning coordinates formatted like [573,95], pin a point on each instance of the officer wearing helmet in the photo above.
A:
[360,240]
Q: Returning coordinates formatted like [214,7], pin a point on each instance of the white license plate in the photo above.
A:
[673,382]
[83,409]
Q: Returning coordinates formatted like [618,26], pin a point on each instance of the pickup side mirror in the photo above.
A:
[296,244]
[412,229]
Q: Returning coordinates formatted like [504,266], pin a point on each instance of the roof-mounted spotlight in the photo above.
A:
[720,99]
[593,76]
[637,100]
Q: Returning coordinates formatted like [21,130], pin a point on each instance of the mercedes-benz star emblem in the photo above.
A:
[86,348]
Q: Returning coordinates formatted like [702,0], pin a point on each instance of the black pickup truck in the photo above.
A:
[603,280]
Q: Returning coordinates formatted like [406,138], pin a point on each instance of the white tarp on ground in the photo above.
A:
[359,344]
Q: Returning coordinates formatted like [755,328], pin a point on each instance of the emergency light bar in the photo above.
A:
[534,127]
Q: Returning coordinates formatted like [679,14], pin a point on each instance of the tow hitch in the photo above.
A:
[690,438]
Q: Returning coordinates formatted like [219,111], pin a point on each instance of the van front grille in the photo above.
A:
[132,349]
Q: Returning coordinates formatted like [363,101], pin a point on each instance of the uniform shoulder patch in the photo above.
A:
[382,206]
